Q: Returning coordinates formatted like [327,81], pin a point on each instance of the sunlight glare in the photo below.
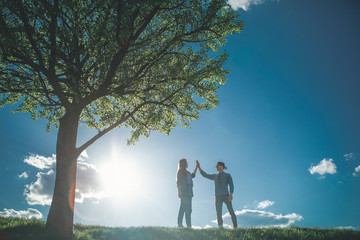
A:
[122,177]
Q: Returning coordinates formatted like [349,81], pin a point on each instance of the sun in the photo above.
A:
[121,176]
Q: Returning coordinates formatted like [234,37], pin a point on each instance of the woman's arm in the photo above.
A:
[181,182]
[194,172]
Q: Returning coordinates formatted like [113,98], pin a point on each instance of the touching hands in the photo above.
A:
[197,164]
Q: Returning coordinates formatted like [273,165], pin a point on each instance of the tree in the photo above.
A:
[146,65]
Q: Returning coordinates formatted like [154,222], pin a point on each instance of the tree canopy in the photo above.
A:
[147,65]
[143,64]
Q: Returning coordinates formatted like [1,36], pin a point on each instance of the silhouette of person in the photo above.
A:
[222,180]
[185,191]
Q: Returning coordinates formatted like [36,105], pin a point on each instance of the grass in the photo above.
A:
[17,228]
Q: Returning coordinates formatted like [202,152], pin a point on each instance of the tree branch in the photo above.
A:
[117,59]
[52,61]
[125,116]
[30,33]
[146,22]
[90,116]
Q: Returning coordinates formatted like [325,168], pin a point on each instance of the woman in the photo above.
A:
[185,189]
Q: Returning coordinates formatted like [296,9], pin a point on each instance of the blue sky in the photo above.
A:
[287,127]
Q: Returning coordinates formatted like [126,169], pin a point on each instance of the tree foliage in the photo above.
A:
[143,64]
[146,65]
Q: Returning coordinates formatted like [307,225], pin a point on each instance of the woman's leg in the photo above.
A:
[181,213]
[188,210]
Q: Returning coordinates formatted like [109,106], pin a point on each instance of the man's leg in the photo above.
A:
[218,204]
[231,211]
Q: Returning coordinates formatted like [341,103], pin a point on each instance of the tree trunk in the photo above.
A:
[61,214]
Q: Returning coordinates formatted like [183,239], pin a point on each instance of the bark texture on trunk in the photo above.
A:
[61,214]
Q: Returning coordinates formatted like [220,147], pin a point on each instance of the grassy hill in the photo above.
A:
[16,229]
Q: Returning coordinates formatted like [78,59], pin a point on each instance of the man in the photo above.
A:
[222,180]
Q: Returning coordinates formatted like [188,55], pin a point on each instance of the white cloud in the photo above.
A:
[326,166]
[29,213]
[346,228]
[84,155]
[24,175]
[258,218]
[264,204]
[244,4]
[41,162]
[88,184]
[41,191]
[349,156]
[357,170]
[196,227]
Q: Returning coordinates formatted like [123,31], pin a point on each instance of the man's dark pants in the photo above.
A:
[219,200]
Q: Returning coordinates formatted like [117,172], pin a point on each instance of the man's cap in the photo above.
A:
[221,164]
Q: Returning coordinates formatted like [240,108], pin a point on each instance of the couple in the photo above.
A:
[222,195]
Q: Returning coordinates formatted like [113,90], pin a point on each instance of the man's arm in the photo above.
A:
[204,174]
[231,185]
[208,176]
